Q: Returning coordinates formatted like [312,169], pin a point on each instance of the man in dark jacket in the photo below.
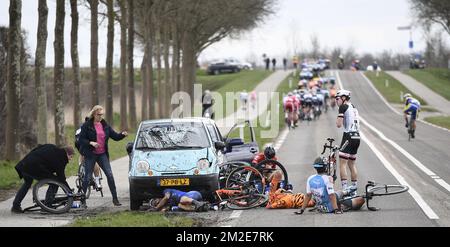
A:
[44,161]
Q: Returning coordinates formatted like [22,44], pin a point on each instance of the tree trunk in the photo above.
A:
[131,93]
[59,74]
[167,80]
[94,51]
[149,69]
[144,80]
[39,72]
[109,64]
[158,72]
[75,64]
[188,67]
[3,85]
[123,66]
[175,58]
[13,88]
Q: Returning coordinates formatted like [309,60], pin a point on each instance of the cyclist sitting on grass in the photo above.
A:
[320,188]
[187,201]
[412,106]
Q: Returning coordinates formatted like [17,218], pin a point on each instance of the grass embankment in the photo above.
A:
[443,121]
[234,83]
[134,219]
[8,175]
[436,79]
[394,88]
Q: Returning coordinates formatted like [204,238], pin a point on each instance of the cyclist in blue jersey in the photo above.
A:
[412,107]
[320,188]
[187,201]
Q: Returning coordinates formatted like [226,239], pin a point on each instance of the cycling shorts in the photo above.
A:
[350,150]
[289,106]
[412,110]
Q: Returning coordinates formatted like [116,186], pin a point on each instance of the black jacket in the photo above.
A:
[89,134]
[45,161]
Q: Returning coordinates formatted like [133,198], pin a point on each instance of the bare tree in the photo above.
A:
[58,44]
[123,64]
[109,63]
[3,84]
[94,51]
[130,53]
[13,87]
[39,72]
[432,11]
[75,63]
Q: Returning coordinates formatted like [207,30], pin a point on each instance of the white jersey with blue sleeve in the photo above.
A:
[321,187]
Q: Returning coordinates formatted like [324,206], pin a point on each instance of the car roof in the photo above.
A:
[181,120]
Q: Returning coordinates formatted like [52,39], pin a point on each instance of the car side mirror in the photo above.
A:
[129,147]
[219,145]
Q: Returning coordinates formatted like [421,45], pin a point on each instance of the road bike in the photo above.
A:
[243,190]
[410,127]
[92,184]
[332,157]
[373,189]
[268,167]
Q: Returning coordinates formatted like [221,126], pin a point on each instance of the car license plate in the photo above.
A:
[174,182]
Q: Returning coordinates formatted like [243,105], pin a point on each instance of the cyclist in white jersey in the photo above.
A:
[320,188]
[348,119]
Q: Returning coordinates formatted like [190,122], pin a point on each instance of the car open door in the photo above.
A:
[241,143]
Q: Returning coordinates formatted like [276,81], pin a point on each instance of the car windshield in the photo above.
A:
[172,135]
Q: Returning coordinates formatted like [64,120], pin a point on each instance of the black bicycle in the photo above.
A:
[54,197]
[373,189]
[268,167]
[332,157]
[410,128]
[92,184]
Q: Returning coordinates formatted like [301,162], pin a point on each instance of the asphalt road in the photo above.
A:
[426,204]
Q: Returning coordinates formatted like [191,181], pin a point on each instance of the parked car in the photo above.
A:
[222,67]
[241,65]
[174,153]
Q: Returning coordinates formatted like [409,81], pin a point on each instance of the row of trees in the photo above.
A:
[171,33]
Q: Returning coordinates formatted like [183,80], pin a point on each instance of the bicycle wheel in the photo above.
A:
[80,179]
[246,201]
[384,190]
[52,196]
[268,167]
[246,178]
[226,168]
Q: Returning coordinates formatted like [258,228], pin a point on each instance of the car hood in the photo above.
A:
[182,160]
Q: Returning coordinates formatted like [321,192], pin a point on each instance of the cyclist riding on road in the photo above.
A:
[412,107]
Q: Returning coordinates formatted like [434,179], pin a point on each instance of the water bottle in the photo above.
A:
[76,205]
[175,208]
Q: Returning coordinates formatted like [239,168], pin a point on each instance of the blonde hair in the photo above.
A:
[94,110]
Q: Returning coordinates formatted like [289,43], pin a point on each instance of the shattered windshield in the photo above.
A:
[172,136]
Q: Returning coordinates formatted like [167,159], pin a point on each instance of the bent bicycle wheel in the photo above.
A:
[268,167]
[384,190]
[52,196]
[226,168]
[243,202]
[246,178]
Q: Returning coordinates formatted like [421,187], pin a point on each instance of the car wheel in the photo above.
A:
[135,203]
[236,70]
[246,67]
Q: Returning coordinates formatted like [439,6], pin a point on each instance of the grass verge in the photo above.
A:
[392,91]
[436,79]
[443,121]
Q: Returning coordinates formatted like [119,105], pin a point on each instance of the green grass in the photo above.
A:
[134,219]
[235,82]
[392,92]
[440,121]
[8,175]
[436,79]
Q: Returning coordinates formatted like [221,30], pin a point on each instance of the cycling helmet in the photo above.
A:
[319,162]
[407,95]
[343,92]
[269,152]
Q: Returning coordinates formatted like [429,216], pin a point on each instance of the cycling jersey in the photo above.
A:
[321,187]
[260,157]
[351,118]
[175,196]
[350,138]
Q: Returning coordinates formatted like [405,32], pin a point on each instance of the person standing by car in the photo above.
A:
[207,102]
[44,161]
[348,119]
[274,64]
[267,60]
[94,137]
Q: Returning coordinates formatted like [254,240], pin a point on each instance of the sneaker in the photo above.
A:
[116,202]
[16,210]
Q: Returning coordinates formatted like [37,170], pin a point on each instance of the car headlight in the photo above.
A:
[142,166]
[203,164]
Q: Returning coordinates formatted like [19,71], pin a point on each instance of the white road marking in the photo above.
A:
[235,214]
[428,211]
[416,196]
[281,139]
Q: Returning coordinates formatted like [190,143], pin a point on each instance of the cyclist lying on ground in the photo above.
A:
[280,198]
[187,201]
[320,187]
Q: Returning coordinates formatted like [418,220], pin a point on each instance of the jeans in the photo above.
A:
[103,162]
[28,181]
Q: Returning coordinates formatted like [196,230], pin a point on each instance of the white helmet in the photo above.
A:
[343,92]
[407,95]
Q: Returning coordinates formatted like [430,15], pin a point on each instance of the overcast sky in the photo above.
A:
[367,25]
